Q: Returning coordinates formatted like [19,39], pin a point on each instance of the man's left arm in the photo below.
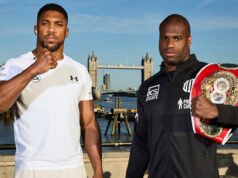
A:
[204,108]
[91,136]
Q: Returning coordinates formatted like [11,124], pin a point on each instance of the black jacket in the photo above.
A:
[163,137]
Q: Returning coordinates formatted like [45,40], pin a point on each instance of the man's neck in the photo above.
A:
[173,67]
[169,67]
[57,54]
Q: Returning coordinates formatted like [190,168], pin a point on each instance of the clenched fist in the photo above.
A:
[203,108]
[44,62]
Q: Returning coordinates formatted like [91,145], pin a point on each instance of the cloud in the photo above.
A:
[214,23]
[147,24]
[16,31]
[205,3]
[109,24]
[6,1]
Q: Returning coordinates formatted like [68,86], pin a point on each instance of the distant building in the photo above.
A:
[93,69]
[147,62]
[107,81]
[103,87]
[146,68]
[132,88]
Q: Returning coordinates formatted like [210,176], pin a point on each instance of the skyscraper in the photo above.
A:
[106,81]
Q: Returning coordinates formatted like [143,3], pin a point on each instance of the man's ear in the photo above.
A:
[189,41]
[35,30]
[67,33]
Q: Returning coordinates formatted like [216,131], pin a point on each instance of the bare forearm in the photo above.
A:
[91,136]
[10,90]
[92,143]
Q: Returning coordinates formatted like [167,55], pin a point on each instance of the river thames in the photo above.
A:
[7,136]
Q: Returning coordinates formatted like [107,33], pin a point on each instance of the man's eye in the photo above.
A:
[177,38]
[59,24]
[163,38]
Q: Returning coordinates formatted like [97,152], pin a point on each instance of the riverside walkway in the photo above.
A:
[115,164]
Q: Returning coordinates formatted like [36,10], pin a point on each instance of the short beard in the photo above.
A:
[53,48]
[174,63]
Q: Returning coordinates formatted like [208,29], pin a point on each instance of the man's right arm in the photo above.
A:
[11,89]
[139,155]
[204,108]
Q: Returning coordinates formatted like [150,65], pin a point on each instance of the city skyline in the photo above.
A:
[122,31]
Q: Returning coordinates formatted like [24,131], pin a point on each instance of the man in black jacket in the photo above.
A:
[163,137]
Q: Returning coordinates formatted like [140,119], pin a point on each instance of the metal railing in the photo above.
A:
[105,144]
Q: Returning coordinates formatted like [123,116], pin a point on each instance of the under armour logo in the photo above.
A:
[73,78]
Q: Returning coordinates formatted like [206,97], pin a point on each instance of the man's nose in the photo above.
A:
[171,43]
[51,28]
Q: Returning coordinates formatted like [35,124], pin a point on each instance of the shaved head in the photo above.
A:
[174,40]
[177,19]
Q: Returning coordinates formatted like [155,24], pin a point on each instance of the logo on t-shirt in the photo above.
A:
[36,79]
[2,67]
[153,93]
[136,117]
[73,78]
[187,86]
[183,104]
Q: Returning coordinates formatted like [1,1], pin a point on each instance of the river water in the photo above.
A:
[7,137]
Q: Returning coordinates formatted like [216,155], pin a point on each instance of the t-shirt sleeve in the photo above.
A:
[9,70]
[86,93]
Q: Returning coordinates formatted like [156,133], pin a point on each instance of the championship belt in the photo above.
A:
[219,84]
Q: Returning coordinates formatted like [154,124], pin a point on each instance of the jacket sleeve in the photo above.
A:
[228,115]
[139,156]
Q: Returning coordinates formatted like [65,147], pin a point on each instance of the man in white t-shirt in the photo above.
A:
[51,97]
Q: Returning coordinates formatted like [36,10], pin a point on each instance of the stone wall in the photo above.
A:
[115,164]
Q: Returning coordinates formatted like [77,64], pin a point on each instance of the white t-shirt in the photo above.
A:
[47,134]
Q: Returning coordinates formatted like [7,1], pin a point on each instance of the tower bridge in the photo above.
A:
[120,66]
[146,68]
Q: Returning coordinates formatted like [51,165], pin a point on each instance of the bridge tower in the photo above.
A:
[93,69]
[147,62]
